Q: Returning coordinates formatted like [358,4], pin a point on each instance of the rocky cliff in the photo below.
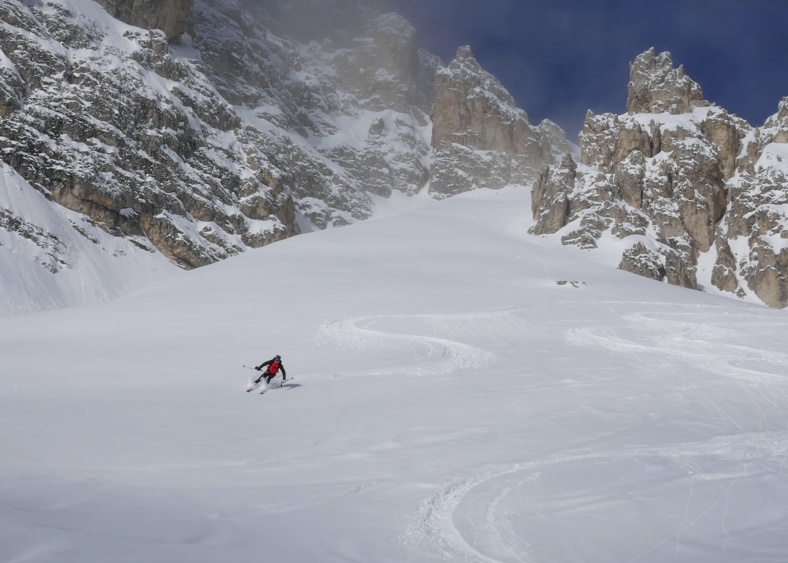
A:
[687,192]
[197,129]
[108,121]
[480,138]
[170,16]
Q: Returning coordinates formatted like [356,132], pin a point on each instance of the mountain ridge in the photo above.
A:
[691,194]
[217,135]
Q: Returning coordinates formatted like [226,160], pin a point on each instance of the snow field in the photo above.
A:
[459,392]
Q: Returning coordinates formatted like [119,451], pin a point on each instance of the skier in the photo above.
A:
[272,367]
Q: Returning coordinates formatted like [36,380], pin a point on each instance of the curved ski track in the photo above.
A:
[678,489]
[471,519]
[422,354]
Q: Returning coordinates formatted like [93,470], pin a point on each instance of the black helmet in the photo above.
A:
[277,357]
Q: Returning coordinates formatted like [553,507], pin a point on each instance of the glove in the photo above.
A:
[257,368]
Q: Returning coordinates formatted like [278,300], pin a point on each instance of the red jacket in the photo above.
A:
[274,366]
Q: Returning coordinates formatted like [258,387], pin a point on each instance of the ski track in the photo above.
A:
[755,373]
[422,354]
[705,342]
[437,529]
[471,519]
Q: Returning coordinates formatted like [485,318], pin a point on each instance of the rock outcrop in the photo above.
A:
[753,237]
[655,86]
[480,138]
[198,129]
[169,16]
[698,193]
[392,79]
[217,143]
[136,139]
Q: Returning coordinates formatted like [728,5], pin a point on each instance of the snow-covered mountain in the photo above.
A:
[52,256]
[458,390]
[677,189]
[230,127]
[479,136]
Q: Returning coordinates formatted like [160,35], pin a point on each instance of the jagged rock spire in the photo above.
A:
[655,86]
[678,181]
[480,137]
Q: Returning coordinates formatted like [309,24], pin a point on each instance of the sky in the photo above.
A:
[560,58]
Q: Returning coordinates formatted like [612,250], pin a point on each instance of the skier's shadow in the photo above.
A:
[289,386]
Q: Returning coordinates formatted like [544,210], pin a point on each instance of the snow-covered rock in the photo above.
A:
[170,16]
[676,189]
[480,138]
[655,86]
[116,126]
[54,257]
[208,127]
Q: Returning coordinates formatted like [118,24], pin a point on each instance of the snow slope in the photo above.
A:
[460,391]
[52,257]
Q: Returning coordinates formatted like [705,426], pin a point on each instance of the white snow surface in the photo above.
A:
[459,391]
[63,259]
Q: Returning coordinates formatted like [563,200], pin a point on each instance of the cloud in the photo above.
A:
[315,19]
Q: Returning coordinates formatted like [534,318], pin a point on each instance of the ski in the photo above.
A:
[253,385]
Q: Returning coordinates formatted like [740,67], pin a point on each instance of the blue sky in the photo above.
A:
[560,58]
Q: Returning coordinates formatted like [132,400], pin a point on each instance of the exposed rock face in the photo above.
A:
[195,132]
[359,114]
[170,16]
[193,146]
[656,87]
[384,69]
[97,135]
[392,79]
[479,136]
[756,223]
[684,182]
[550,199]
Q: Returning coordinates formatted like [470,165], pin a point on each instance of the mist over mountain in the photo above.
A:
[221,133]
[316,20]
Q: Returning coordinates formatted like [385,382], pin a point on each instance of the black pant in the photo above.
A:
[267,376]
